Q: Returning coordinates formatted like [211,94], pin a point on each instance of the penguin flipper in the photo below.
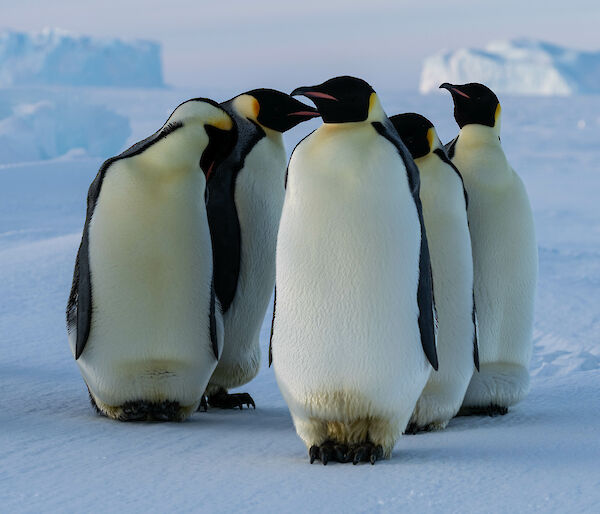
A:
[425,299]
[450,147]
[213,321]
[272,327]
[444,158]
[475,336]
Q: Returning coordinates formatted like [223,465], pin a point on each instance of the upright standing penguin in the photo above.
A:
[505,256]
[244,206]
[445,213]
[354,325]
[142,318]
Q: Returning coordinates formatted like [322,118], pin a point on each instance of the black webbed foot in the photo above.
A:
[223,400]
[365,452]
[203,404]
[491,410]
[328,451]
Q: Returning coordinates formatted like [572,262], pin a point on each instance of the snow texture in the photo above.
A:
[57,57]
[58,455]
[517,67]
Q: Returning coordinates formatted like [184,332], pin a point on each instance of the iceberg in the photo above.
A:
[56,57]
[50,129]
[516,67]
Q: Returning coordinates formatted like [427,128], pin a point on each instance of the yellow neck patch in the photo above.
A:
[431,137]
[497,114]
[372,101]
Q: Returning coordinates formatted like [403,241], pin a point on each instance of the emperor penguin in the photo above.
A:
[244,204]
[353,336]
[444,203]
[505,258]
[143,320]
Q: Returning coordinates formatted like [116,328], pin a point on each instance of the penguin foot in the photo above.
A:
[223,400]
[415,428]
[328,451]
[141,410]
[94,404]
[491,410]
[365,452]
[203,407]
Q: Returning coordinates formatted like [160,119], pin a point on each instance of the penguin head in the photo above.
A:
[474,104]
[273,109]
[198,133]
[416,132]
[344,100]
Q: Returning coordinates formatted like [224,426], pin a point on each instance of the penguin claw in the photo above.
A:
[366,452]
[203,404]
[223,400]
[329,451]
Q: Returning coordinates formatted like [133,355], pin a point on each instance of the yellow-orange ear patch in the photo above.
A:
[222,122]
[497,113]
[372,101]
[431,137]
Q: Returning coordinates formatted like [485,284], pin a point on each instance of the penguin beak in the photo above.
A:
[454,89]
[311,92]
[305,114]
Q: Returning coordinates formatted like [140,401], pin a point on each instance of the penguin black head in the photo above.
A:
[416,132]
[474,104]
[341,99]
[273,109]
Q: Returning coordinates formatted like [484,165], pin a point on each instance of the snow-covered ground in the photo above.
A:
[544,455]
[518,67]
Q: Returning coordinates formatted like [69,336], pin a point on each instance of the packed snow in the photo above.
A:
[57,454]
[517,67]
[57,57]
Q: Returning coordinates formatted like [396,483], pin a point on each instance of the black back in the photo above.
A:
[425,297]
[222,213]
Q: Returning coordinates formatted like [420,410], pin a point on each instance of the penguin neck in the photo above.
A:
[480,135]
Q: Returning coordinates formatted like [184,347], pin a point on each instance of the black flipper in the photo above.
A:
[450,147]
[425,287]
[213,322]
[475,336]
[272,327]
[80,303]
[444,158]
[442,155]
[222,213]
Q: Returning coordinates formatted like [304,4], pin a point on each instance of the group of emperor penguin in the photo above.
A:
[404,270]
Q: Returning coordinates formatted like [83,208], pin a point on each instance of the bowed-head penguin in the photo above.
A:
[444,203]
[244,206]
[505,258]
[353,336]
[143,320]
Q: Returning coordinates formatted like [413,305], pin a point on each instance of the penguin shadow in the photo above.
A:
[241,420]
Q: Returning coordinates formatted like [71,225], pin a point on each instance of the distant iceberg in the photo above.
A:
[53,128]
[517,67]
[55,57]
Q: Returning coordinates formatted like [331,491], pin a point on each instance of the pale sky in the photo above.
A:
[264,43]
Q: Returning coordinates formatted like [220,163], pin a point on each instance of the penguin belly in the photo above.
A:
[505,275]
[346,344]
[259,194]
[445,216]
[151,272]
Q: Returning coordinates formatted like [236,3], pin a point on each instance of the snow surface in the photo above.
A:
[57,454]
[57,57]
[518,67]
